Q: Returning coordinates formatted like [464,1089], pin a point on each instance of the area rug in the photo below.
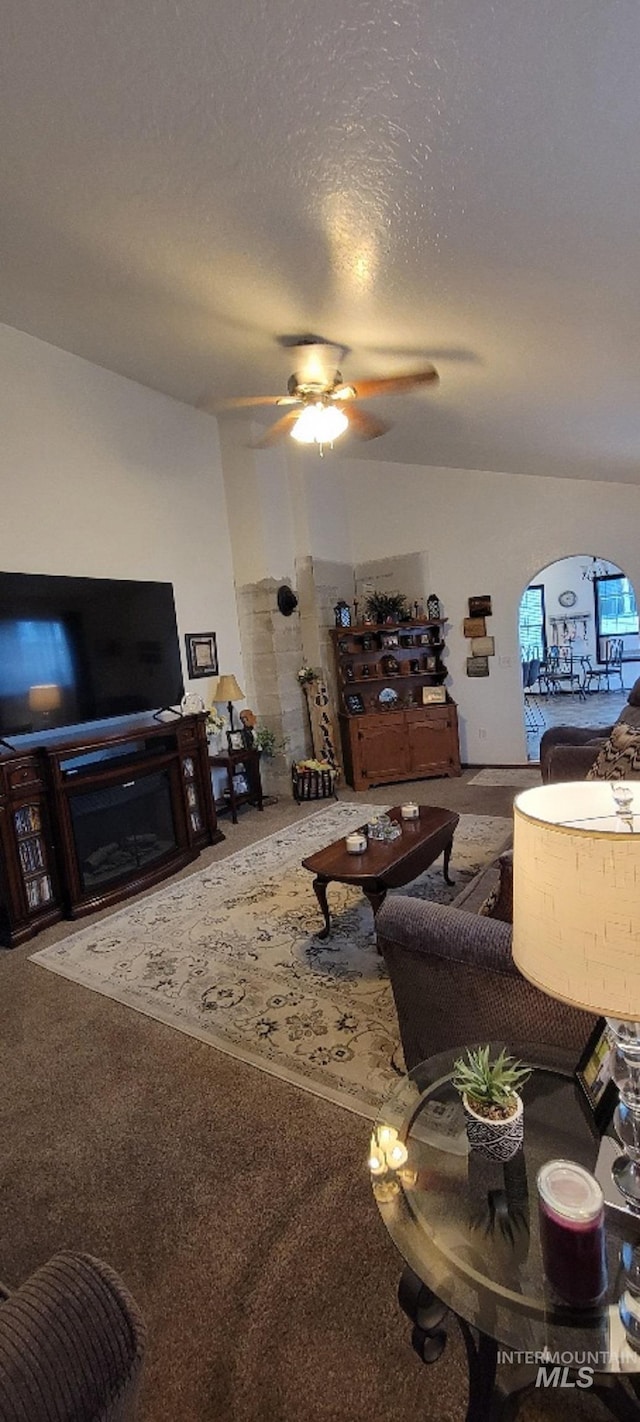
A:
[523,777]
[231,955]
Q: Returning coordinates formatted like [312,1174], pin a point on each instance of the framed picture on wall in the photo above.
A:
[480,606]
[202,653]
[474,627]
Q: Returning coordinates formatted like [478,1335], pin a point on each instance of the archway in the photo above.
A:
[579,638]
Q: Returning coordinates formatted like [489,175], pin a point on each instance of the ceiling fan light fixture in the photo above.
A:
[319,424]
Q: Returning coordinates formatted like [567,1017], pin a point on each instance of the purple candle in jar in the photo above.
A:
[572,1231]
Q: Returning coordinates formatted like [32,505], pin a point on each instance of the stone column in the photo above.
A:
[272,653]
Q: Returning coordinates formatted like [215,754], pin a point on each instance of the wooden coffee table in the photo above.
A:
[384,864]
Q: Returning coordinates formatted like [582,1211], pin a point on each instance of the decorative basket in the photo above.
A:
[313,784]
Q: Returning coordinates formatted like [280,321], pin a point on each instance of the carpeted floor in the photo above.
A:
[236,1207]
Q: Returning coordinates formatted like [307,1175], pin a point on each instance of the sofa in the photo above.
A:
[453,977]
[568,752]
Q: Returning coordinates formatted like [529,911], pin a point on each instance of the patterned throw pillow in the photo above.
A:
[619,758]
[499,904]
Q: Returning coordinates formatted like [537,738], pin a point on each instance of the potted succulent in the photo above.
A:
[387,607]
[492,1105]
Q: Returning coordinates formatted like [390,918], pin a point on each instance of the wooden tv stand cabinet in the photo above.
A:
[143,788]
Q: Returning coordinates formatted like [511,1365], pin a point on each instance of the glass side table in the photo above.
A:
[467,1228]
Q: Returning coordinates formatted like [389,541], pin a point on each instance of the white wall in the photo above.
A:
[284,504]
[487,533]
[102,477]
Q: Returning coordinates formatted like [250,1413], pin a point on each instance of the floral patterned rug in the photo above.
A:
[231,955]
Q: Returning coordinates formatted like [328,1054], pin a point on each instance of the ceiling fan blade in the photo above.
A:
[244,402]
[396,384]
[364,425]
[274,433]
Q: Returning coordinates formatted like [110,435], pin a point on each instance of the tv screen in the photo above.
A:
[84,649]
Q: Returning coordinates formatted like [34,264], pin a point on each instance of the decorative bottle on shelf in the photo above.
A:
[433,607]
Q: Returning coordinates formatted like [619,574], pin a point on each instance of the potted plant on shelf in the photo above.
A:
[273,770]
[492,1104]
[387,607]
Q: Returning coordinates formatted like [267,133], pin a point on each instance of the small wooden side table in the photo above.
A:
[250,761]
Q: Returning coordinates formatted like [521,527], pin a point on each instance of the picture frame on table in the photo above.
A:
[354,703]
[434,695]
[389,639]
[593,1076]
[202,654]
[235,740]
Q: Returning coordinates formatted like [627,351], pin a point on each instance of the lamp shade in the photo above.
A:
[45,697]
[227,689]
[576,895]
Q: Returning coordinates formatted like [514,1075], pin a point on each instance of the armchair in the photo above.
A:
[454,982]
[71,1345]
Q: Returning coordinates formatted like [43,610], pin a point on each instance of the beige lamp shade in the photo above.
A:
[576,895]
[47,697]
[227,689]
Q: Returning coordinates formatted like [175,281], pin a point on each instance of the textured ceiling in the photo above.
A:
[185,180]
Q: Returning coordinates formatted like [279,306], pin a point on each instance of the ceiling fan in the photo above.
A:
[323,404]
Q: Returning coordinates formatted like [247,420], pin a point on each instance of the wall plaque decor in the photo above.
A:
[474,627]
[477,666]
[480,606]
[483,647]
[323,734]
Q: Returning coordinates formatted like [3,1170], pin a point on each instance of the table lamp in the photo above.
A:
[44,699]
[576,924]
[227,689]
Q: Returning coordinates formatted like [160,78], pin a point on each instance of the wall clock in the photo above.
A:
[568,598]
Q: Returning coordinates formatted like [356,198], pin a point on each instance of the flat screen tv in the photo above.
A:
[84,649]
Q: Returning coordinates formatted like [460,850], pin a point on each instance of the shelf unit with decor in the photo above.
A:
[397,721]
[29,881]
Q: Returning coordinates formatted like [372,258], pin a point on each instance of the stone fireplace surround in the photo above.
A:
[274,647]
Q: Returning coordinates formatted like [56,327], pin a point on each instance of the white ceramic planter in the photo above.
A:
[497,1139]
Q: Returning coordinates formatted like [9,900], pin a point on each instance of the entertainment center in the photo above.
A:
[92,816]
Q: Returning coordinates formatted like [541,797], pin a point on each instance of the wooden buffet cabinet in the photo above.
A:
[387,733]
[91,817]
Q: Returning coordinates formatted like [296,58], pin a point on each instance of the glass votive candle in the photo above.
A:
[572,1239]
[356,843]
[410,811]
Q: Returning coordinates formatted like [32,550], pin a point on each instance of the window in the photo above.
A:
[531,624]
[616,612]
